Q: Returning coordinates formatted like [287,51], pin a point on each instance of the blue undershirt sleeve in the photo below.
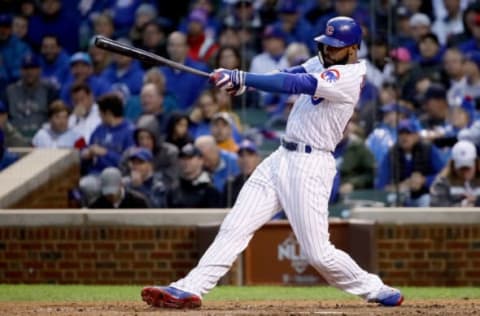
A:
[294,70]
[282,82]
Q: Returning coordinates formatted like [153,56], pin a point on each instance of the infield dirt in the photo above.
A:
[246,308]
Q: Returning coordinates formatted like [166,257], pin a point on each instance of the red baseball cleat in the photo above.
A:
[169,297]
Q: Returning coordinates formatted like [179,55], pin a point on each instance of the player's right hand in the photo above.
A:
[232,81]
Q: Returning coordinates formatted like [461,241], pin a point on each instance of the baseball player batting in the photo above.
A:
[297,177]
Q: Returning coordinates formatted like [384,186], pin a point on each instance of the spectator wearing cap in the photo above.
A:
[248,160]
[355,163]
[384,136]
[54,61]
[292,22]
[143,179]
[28,98]
[186,87]
[220,164]
[147,135]
[12,51]
[54,18]
[145,13]
[402,37]
[195,189]
[472,44]
[458,184]
[125,71]
[404,72]
[273,55]
[449,25]
[420,25]
[221,128]
[12,137]
[114,194]
[201,45]
[57,134]
[6,157]
[85,117]
[411,165]
[81,70]
[110,139]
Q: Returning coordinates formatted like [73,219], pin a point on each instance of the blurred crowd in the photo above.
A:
[152,136]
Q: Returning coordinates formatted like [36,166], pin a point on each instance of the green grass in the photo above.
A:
[62,293]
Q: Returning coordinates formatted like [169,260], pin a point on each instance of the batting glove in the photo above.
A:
[232,81]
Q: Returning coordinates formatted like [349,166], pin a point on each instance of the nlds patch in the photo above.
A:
[330,75]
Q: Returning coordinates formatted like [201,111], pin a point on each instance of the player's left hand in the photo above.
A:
[232,81]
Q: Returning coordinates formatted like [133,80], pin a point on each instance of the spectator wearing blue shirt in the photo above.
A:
[219,163]
[12,50]
[110,139]
[81,70]
[126,71]
[54,18]
[411,165]
[185,86]
[6,158]
[54,61]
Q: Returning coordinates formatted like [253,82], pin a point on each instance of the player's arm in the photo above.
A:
[280,82]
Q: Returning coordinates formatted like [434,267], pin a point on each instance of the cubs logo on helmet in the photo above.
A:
[330,75]
[329,31]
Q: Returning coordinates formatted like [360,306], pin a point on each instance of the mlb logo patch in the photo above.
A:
[330,75]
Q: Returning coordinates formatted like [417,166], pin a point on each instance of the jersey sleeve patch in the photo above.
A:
[330,75]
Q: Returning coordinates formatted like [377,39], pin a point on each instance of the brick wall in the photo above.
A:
[53,193]
[433,255]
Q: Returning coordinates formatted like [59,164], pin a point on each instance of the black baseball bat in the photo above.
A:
[140,54]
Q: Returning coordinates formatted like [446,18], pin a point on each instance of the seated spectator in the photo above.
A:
[6,158]
[155,76]
[143,179]
[144,14]
[202,45]
[57,134]
[54,61]
[384,135]
[28,99]
[81,70]
[147,135]
[13,138]
[85,116]
[20,27]
[177,130]
[12,51]
[125,71]
[221,128]
[248,160]
[101,58]
[411,165]
[200,117]
[196,189]
[110,139]
[151,99]
[220,164]
[458,184]
[153,39]
[355,163]
[114,194]
[185,86]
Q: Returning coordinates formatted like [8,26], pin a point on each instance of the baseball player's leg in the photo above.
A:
[255,205]
[307,210]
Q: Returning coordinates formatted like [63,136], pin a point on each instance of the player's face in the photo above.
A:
[335,55]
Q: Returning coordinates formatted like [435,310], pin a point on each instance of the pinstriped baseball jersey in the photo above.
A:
[300,184]
[319,120]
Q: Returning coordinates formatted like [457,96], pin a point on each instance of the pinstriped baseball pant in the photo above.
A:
[299,183]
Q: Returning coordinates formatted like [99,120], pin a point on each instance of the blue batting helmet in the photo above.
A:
[341,31]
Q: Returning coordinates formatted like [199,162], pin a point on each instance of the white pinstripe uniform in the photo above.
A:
[298,182]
